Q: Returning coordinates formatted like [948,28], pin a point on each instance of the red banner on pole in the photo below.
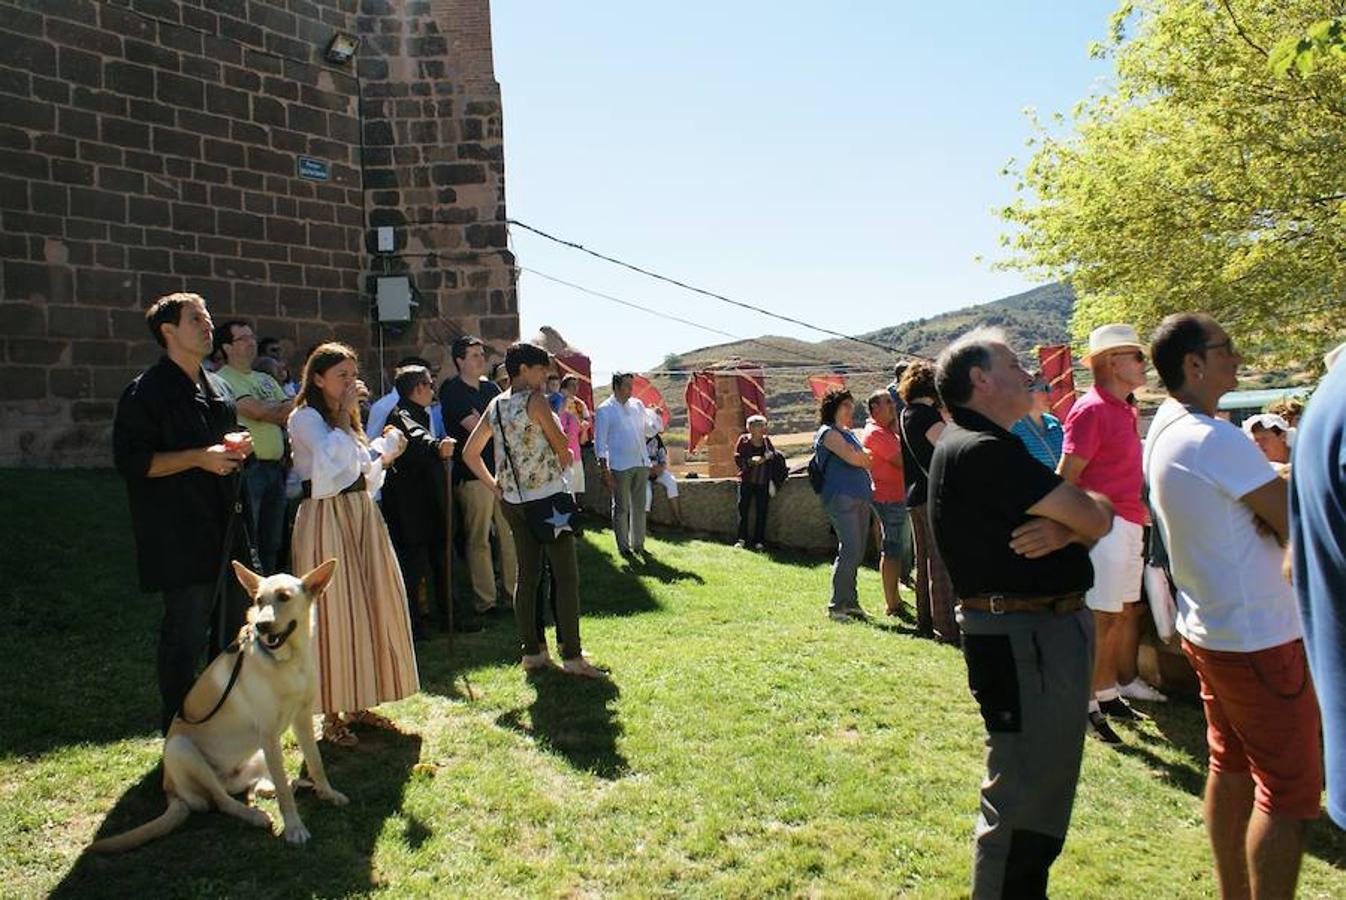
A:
[1056,371]
[752,392]
[578,364]
[700,397]
[821,384]
[648,394]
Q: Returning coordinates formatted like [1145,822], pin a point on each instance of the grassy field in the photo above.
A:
[745,747]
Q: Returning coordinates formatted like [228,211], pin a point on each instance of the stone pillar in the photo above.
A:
[730,422]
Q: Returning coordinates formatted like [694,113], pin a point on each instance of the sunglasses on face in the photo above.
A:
[1041,388]
[1227,345]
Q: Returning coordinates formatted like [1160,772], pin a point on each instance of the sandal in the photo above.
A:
[334,731]
[371,719]
[582,668]
[538,662]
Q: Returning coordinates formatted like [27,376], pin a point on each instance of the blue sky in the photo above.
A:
[835,162]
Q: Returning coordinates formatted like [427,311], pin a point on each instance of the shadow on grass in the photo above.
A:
[86,628]
[217,855]
[1184,726]
[572,718]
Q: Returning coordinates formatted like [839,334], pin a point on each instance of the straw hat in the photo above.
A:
[1111,337]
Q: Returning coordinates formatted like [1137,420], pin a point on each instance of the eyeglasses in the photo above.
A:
[1041,388]
[1137,355]
[1227,345]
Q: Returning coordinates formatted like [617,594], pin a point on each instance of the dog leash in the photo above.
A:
[228,688]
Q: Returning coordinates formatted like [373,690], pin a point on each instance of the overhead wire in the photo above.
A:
[800,354]
[712,294]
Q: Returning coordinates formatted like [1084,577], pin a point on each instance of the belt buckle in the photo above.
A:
[997,604]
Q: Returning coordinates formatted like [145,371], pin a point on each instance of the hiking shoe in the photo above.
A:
[838,615]
[1140,690]
[1119,709]
[739,545]
[759,546]
[857,613]
[1100,729]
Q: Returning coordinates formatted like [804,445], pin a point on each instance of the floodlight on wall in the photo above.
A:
[342,49]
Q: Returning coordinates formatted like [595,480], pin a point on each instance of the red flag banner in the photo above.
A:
[648,394]
[578,364]
[1056,371]
[752,392]
[821,384]
[700,398]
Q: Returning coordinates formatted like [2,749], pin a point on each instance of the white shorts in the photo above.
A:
[1119,566]
[670,483]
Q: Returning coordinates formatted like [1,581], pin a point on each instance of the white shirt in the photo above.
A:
[1231,595]
[619,434]
[331,458]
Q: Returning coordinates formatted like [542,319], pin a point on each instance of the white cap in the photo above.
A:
[1111,337]
[1266,420]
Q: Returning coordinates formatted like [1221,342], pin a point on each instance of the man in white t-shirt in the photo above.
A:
[1222,512]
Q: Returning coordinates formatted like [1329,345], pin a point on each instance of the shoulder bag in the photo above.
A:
[548,517]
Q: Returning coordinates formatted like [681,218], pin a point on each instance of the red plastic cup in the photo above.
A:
[235,440]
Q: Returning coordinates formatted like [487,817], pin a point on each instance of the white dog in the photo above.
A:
[227,738]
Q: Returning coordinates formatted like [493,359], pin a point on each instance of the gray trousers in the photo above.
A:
[1030,674]
[850,520]
[628,507]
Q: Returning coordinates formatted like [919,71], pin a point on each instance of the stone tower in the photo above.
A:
[212,146]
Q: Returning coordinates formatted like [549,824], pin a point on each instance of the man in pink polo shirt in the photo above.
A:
[1102,453]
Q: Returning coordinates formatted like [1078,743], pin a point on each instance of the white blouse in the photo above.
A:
[332,458]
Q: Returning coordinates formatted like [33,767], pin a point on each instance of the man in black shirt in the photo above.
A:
[462,400]
[416,502]
[168,438]
[1015,538]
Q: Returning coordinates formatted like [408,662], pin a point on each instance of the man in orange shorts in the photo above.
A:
[1222,512]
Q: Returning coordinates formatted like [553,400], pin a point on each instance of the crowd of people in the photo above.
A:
[1022,537]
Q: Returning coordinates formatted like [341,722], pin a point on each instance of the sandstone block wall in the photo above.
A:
[148,146]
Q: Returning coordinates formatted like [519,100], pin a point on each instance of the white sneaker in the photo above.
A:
[1139,690]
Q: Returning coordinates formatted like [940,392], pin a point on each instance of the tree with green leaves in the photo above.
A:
[1210,176]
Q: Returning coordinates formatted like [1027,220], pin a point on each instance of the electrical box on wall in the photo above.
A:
[393,301]
[386,242]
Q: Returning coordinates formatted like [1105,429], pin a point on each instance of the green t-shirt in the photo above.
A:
[268,440]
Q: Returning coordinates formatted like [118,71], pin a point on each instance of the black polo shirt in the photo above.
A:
[457,401]
[982,481]
[178,520]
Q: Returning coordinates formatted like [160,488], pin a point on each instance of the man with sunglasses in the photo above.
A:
[1101,453]
[1224,515]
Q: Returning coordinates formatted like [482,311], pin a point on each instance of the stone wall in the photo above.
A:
[795,517]
[148,146]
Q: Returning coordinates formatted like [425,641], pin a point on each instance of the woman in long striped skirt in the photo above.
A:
[365,653]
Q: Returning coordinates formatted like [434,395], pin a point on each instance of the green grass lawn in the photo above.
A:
[746,746]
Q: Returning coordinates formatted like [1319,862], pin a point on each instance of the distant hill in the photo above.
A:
[1039,316]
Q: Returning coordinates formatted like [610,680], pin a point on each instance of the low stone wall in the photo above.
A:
[795,517]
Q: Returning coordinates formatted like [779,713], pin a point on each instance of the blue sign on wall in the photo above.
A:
[314,169]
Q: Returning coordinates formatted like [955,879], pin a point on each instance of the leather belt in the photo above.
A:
[998,604]
[356,485]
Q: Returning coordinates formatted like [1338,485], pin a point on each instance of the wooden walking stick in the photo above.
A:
[448,544]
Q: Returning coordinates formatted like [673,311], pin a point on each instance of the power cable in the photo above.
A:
[663,315]
[721,297]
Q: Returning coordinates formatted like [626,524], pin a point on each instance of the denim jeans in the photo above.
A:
[896,530]
[264,480]
[850,520]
